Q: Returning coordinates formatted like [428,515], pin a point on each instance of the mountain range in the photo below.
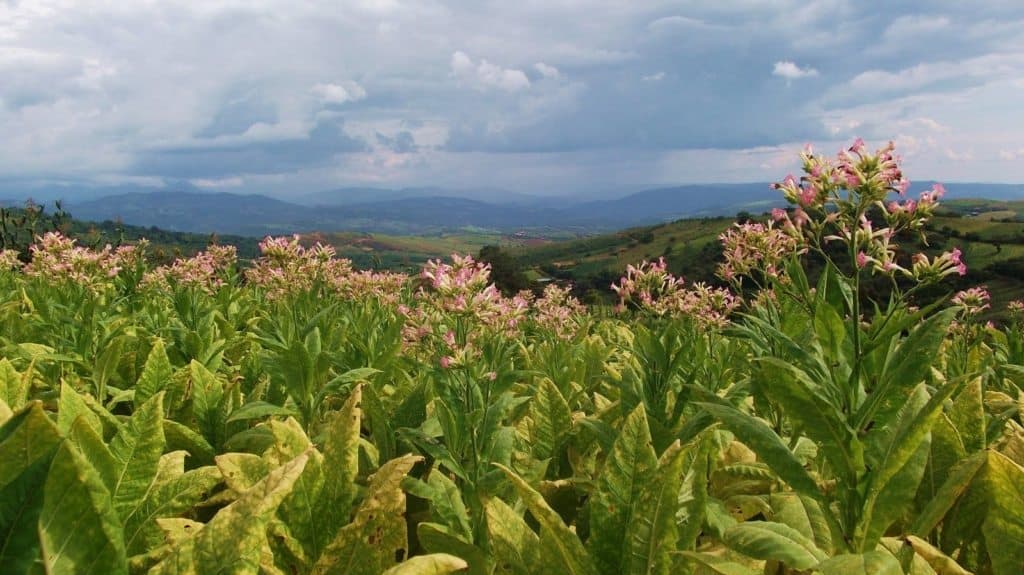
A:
[433,210]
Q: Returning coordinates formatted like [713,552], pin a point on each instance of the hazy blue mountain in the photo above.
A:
[417,211]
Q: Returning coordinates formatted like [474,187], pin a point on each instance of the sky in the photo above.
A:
[537,96]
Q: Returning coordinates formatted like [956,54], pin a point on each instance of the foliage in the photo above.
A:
[304,417]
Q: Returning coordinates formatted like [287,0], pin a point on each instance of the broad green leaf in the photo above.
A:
[14,386]
[439,539]
[958,481]
[968,416]
[1004,523]
[21,502]
[5,412]
[803,514]
[694,510]
[652,527]
[88,442]
[70,407]
[814,415]
[616,495]
[25,438]
[241,471]
[560,541]
[871,563]
[136,448]
[942,564]
[774,541]
[768,446]
[446,505]
[376,538]
[156,374]
[258,410]
[551,419]
[232,541]
[79,530]
[718,565]
[181,437]
[911,433]
[514,546]
[302,515]
[904,369]
[433,564]
[167,499]
[207,397]
[341,462]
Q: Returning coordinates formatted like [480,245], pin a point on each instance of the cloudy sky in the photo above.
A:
[540,96]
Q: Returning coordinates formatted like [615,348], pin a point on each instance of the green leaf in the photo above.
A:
[652,527]
[439,539]
[258,410]
[552,420]
[341,460]
[21,502]
[870,563]
[181,437]
[803,514]
[156,374]
[79,529]
[433,564]
[719,566]
[774,541]
[167,498]
[561,542]
[136,448]
[89,443]
[910,434]
[958,481]
[14,386]
[232,541]
[376,539]
[207,398]
[1004,523]
[942,564]
[446,505]
[904,369]
[815,416]
[24,439]
[514,546]
[968,416]
[71,406]
[617,492]
[768,446]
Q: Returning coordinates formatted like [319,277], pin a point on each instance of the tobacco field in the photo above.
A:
[293,415]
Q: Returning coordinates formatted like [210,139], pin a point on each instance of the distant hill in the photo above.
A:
[417,211]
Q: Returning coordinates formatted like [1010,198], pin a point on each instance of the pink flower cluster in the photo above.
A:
[464,288]
[558,311]
[755,247]
[9,260]
[206,271]
[832,202]
[56,257]
[1016,308]
[974,300]
[649,287]
[285,267]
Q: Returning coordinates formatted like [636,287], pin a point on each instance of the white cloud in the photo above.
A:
[1011,155]
[791,71]
[340,93]
[656,77]
[546,70]
[487,75]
